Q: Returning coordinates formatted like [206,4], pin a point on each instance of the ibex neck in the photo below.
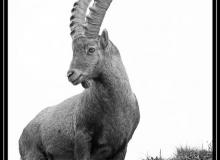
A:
[113,74]
[112,87]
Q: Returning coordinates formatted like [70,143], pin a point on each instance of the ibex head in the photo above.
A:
[88,46]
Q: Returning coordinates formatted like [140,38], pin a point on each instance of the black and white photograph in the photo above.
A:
[110,80]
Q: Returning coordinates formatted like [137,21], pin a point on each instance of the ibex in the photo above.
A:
[98,123]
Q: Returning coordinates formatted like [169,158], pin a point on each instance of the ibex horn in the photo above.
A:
[95,17]
[77,19]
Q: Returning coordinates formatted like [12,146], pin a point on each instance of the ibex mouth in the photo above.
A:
[77,80]
[80,79]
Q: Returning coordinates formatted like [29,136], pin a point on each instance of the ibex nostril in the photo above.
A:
[70,73]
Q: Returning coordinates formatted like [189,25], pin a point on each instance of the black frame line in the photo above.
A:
[5,78]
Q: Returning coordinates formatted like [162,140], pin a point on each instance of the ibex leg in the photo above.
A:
[82,146]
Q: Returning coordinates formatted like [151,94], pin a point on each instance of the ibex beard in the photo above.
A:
[98,123]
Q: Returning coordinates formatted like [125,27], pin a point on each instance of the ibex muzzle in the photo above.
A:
[75,76]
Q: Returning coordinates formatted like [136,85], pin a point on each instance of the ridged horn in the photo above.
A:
[77,19]
[95,17]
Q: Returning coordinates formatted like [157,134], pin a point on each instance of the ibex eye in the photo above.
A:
[91,50]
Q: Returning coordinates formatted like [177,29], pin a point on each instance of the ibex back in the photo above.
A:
[98,123]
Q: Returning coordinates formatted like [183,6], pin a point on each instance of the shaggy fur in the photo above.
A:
[94,125]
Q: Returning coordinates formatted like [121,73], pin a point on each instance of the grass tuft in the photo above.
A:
[187,153]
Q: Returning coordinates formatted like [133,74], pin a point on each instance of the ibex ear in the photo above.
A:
[104,39]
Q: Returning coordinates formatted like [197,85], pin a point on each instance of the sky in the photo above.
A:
[166,47]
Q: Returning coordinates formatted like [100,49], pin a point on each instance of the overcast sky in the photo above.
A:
[166,47]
